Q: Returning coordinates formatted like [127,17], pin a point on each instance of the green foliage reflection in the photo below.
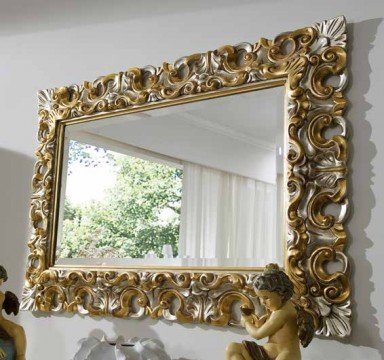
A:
[140,213]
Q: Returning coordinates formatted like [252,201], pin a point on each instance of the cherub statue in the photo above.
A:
[285,324]
[12,336]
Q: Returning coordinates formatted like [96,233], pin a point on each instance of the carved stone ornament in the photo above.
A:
[92,348]
[304,61]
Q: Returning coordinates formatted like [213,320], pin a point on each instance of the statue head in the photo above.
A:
[273,287]
[3,274]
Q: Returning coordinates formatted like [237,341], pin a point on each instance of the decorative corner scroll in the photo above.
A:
[306,60]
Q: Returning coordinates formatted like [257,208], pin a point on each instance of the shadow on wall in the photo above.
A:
[14,207]
[365,330]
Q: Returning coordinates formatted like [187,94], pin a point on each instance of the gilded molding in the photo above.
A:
[316,177]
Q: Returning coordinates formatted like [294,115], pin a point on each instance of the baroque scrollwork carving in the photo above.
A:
[305,61]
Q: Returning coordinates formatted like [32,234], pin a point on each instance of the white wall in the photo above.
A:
[41,48]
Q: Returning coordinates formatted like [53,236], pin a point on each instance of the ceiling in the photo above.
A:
[255,118]
[239,134]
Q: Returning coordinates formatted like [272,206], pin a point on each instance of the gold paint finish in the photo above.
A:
[303,60]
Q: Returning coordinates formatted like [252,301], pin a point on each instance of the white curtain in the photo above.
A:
[227,216]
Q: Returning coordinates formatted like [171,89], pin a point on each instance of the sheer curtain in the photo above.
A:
[227,216]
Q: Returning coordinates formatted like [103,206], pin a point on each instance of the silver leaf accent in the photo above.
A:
[336,318]
[333,31]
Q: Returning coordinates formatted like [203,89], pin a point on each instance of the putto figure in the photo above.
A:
[284,324]
[12,336]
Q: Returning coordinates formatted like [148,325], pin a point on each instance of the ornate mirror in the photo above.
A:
[162,191]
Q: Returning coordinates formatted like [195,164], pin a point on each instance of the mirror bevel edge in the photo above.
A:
[58,167]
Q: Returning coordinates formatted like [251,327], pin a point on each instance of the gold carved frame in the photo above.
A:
[304,61]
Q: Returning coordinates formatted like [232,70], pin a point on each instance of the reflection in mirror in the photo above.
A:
[198,184]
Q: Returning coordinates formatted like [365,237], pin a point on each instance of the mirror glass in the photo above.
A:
[197,184]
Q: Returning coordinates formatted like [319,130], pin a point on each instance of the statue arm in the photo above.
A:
[254,319]
[259,321]
[274,323]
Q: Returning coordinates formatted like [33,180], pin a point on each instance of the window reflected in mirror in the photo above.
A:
[197,184]
[120,204]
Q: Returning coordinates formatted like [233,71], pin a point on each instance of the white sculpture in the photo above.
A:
[93,348]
